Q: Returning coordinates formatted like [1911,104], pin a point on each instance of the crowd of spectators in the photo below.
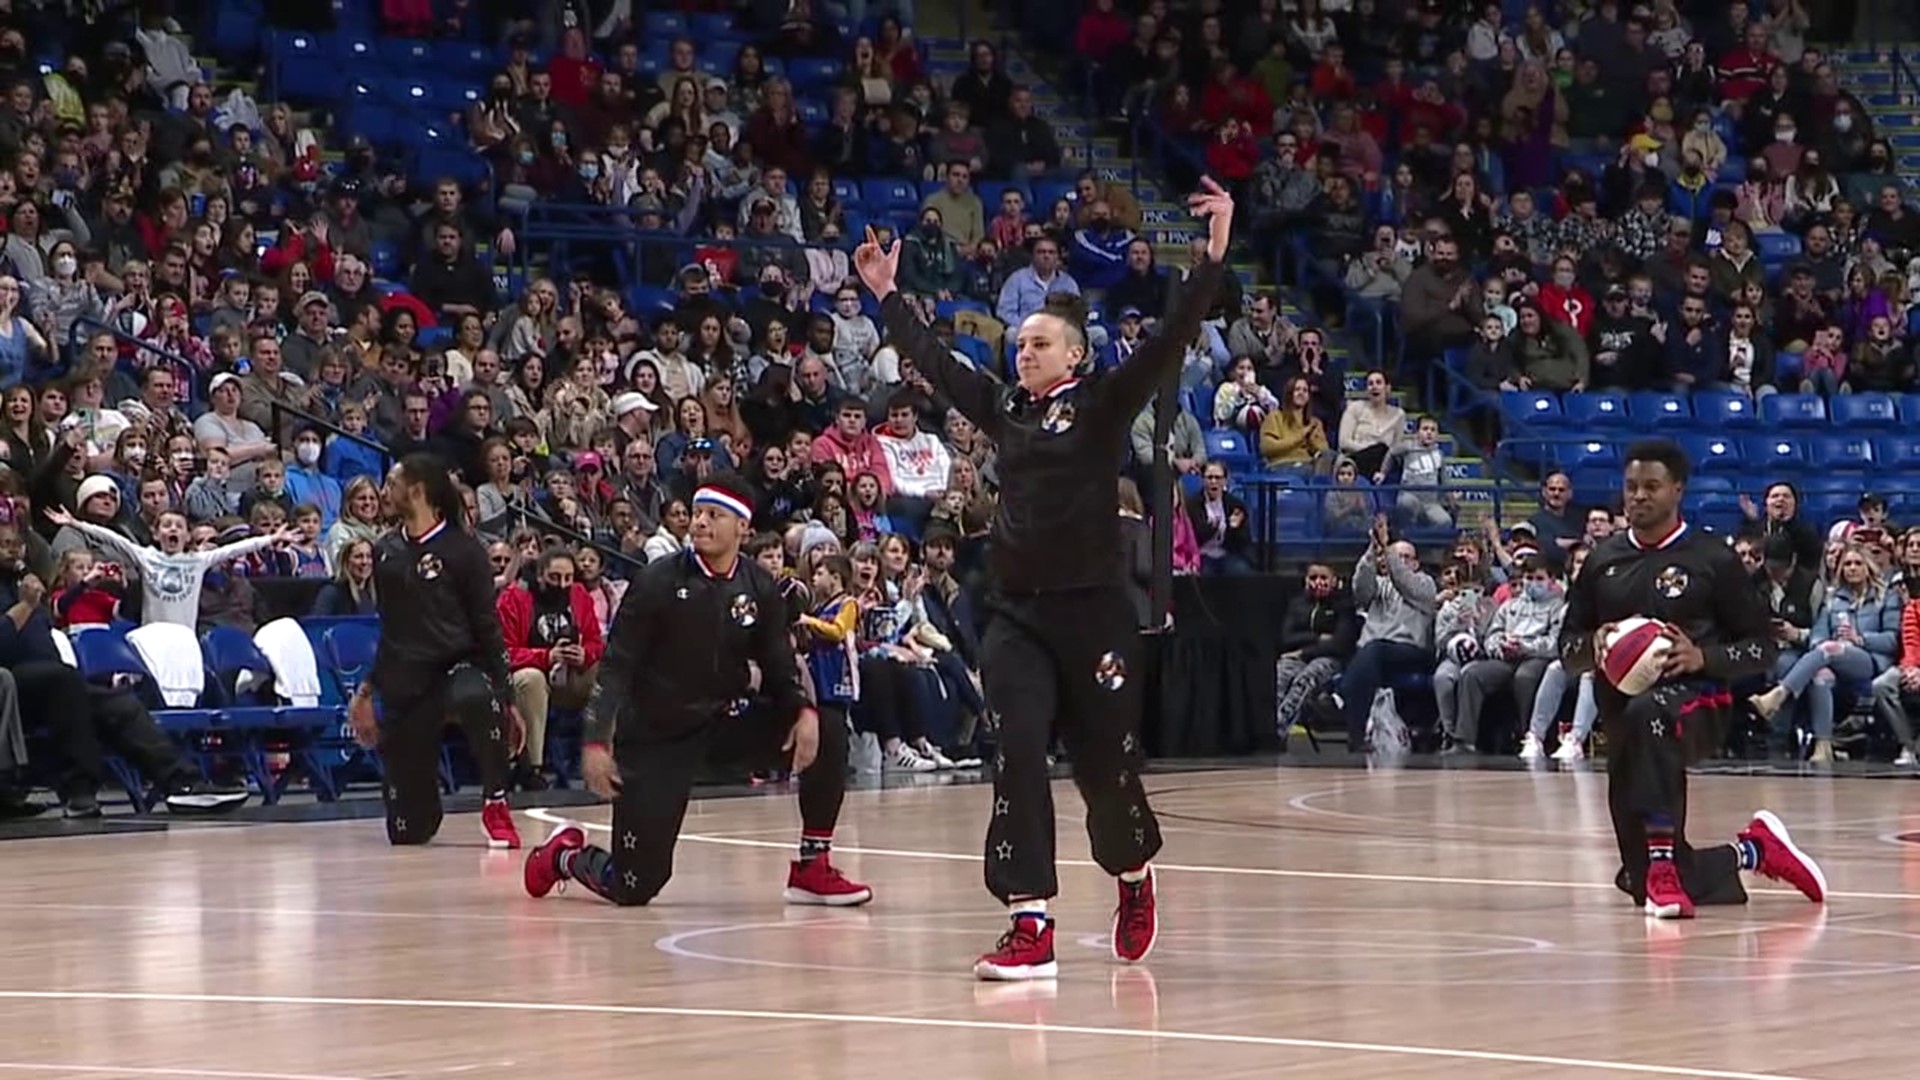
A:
[1486,627]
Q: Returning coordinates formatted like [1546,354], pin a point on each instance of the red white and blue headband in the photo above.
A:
[725,500]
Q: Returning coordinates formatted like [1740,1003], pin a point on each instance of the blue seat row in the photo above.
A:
[1573,414]
[238,721]
[1780,454]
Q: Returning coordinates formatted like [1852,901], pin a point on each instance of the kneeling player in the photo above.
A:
[1662,568]
[673,695]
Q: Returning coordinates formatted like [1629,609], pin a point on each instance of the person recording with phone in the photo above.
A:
[554,647]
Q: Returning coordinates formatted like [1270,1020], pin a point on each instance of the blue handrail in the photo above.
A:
[188,373]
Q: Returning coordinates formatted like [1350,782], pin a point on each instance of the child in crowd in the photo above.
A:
[170,575]
[90,592]
[209,497]
[308,554]
[1422,475]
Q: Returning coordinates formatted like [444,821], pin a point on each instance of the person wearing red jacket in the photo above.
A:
[1563,299]
[554,647]
[1744,71]
[1232,94]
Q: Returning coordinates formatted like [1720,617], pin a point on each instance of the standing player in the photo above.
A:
[1059,647]
[441,658]
[1663,569]
[693,634]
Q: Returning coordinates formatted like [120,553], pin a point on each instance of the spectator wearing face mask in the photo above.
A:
[307,482]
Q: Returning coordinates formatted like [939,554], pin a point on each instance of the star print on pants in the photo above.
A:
[1129,744]
[632,879]
[999,807]
[1004,850]
[1658,727]
[629,841]
[1139,836]
[1124,777]
[495,733]
[399,824]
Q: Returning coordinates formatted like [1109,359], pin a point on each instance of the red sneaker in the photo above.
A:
[818,881]
[543,862]
[1024,952]
[1781,860]
[1666,897]
[497,820]
[1136,922]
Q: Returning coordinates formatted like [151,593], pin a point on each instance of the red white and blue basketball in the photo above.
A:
[1636,652]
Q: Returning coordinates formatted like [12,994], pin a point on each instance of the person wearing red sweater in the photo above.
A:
[1233,95]
[1101,31]
[576,75]
[1744,71]
[851,446]
[1563,299]
[90,592]
[1897,689]
[554,647]
[1233,154]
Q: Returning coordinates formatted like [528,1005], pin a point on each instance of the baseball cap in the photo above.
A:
[221,380]
[629,401]
[315,296]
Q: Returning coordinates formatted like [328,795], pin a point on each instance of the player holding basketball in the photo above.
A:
[1663,569]
[691,636]
[1060,643]
[441,658]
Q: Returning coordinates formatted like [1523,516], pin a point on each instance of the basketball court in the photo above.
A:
[1322,922]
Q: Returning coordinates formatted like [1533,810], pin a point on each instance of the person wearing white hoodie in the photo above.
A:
[1522,639]
[170,575]
[917,460]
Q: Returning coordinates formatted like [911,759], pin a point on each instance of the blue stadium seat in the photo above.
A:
[809,74]
[1869,410]
[1230,448]
[1594,454]
[1770,455]
[1712,454]
[1794,410]
[990,192]
[846,191]
[664,24]
[465,58]
[1717,409]
[1528,407]
[1849,452]
[1827,507]
[408,56]
[1659,410]
[707,25]
[1596,410]
[889,196]
[1898,453]
[1909,409]
[1776,247]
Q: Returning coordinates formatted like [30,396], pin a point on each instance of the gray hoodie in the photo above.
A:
[1532,624]
[1398,609]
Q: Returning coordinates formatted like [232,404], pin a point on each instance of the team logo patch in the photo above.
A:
[1672,583]
[429,566]
[744,611]
[1059,417]
[1110,672]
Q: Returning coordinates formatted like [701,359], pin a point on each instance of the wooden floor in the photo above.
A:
[1324,923]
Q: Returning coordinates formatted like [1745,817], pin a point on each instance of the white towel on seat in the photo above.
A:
[296,671]
[172,655]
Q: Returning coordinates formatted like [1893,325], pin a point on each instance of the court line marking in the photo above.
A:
[1239,871]
[879,1020]
[136,1070]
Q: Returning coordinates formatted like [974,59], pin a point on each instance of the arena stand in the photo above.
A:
[591,254]
[1348,134]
